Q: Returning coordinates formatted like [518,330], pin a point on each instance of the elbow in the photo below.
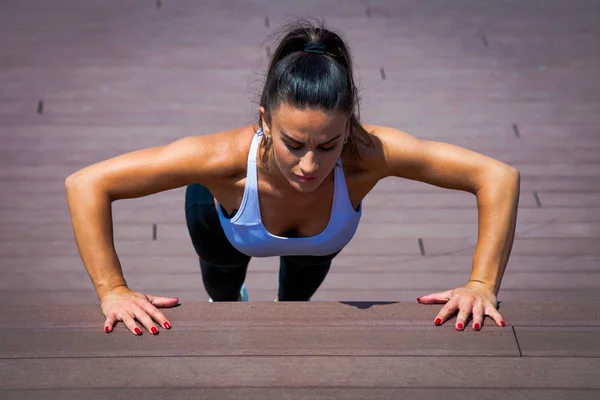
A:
[72,180]
[514,175]
[501,177]
[512,180]
[77,180]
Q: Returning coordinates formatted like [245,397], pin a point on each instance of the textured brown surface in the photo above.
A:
[317,344]
[517,81]
[329,371]
[303,394]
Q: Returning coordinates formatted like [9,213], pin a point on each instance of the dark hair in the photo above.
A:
[313,80]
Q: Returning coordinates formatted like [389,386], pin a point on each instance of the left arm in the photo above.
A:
[496,186]
[497,203]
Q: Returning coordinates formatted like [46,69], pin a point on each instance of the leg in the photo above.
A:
[301,276]
[223,266]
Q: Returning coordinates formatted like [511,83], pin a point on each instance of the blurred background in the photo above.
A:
[81,82]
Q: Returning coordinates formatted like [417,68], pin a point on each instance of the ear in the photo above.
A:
[266,128]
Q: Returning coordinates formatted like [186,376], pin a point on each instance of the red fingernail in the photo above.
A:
[438,321]
[167,325]
[477,327]
[419,299]
[154,330]
[106,329]
[501,323]
[138,331]
[460,327]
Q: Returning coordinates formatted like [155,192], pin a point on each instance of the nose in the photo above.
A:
[309,163]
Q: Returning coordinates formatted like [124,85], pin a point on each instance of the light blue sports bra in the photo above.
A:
[247,233]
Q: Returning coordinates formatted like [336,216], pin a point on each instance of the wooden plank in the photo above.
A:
[443,198]
[555,342]
[127,212]
[287,314]
[572,200]
[522,246]
[337,280]
[366,230]
[528,184]
[179,248]
[25,156]
[251,393]
[369,371]
[324,294]
[259,341]
[342,263]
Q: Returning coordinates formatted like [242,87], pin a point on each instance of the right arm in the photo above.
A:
[91,190]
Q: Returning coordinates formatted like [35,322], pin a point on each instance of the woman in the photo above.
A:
[290,186]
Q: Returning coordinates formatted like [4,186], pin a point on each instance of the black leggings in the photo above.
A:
[224,267]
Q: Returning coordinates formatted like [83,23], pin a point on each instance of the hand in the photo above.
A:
[122,304]
[474,297]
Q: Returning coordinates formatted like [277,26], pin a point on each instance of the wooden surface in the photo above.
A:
[517,81]
[305,349]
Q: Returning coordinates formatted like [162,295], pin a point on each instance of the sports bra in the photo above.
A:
[247,233]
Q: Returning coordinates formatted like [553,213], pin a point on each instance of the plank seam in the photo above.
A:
[517,341]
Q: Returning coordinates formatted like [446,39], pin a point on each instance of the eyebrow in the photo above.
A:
[294,140]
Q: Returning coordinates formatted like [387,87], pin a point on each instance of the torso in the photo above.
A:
[300,215]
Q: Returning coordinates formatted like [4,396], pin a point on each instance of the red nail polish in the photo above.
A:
[167,325]
[477,327]
[106,329]
[419,299]
[502,323]
[138,331]
[438,321]
[460,327]
[154,330]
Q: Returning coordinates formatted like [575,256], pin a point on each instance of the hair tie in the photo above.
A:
[314,47]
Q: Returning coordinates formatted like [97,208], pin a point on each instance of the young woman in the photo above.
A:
[289,186]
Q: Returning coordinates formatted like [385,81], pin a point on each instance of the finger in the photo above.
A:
[436,298]
[111,319]
[495,315]
[449,309]
[155,314]
[477,316]
[144,319]
[463,316]
[130,324]
[165,302]
[466,305]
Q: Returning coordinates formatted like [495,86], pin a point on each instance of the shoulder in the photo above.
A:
[386,144]
[226,151]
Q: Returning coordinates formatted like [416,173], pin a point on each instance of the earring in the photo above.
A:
[346,140]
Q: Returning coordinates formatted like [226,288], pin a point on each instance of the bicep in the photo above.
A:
[436,163]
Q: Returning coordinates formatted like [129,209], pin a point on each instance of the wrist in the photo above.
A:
[480,283]
[104,290]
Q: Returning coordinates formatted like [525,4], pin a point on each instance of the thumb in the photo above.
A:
[163,301]
[434,298]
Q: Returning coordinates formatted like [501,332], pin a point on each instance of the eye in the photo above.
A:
[296,148]
[328,148]
[292,147]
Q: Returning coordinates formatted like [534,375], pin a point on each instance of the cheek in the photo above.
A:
[284,159]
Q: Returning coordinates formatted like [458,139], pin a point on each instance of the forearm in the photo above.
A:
[91,216]
[497,204]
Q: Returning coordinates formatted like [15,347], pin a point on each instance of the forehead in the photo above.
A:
[316,123]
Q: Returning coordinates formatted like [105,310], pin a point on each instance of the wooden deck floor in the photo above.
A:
[81,82]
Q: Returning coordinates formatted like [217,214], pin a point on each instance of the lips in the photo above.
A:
[305,178]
